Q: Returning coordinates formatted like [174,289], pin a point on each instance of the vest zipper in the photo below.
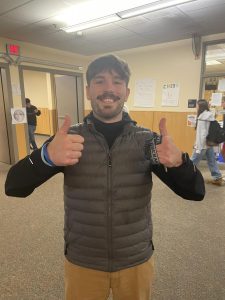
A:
[109,160]
[109,212]
[109,191]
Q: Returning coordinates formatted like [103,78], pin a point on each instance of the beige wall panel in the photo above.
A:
[143,118]
[53,121]
[43,122]
[21,140]
[176,123]
[47,121]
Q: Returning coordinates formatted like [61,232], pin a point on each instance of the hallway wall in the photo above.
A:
[165,63]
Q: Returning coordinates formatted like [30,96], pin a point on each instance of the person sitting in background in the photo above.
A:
[204,116]
[32,113]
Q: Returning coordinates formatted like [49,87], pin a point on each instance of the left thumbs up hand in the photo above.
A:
[168,153]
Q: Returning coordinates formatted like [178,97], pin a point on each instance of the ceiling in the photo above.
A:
[35,22]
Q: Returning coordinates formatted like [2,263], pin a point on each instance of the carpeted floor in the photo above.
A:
[189,239]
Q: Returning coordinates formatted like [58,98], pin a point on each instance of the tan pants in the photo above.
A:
[129,284]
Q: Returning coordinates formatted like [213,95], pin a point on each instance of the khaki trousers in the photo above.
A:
[129,284]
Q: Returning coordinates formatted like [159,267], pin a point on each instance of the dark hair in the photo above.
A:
[202,106]
[27,100]
[108,63]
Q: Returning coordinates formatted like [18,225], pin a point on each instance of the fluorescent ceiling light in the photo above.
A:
[85,15]
[140,10]
[95,9]
[92,23]
[213,62]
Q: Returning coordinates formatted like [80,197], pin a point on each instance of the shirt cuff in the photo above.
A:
[44,156]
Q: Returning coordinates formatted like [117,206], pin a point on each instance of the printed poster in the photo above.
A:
[191,120]
[170,94]
[221,85]
[216,99]
[144,94]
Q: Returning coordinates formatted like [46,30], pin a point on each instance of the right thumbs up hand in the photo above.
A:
[65,149]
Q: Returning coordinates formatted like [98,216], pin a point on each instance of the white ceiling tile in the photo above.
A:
[7,24]
[37,10]
[7,5]
[199,4]
[107,35]
[35,21]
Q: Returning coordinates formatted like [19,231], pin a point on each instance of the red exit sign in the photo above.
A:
[13,49]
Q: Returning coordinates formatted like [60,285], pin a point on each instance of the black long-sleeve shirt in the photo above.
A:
[30,172]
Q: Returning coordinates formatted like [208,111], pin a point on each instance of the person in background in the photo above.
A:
[108,163]
[223,146]
[223,107]
[32,113]
[204,116]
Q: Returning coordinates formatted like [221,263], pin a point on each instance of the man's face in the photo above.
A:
[107,92]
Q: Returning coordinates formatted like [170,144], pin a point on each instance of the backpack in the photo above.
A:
[216,134]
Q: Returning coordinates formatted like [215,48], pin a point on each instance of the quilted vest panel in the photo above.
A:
[107,203]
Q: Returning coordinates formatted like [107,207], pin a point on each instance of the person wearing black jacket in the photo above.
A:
[32,113]
[223,146]
[108,163]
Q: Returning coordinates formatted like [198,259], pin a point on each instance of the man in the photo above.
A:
[223,146]
[32,113]
[107,163]
[223,106]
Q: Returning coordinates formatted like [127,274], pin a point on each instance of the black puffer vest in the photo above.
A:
[107,201]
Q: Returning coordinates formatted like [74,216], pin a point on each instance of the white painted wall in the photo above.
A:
[166,63]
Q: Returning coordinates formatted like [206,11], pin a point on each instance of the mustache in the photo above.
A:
[108,95]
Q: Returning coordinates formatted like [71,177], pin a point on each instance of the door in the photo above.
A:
[4,138]
[66,98]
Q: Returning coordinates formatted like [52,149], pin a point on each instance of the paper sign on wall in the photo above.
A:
[221,85]
[144,95]
[170,94]
[216,99]
[191,120]
[19,115]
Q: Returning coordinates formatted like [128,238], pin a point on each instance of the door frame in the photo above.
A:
[80,88]
[203,75]
[8,102]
